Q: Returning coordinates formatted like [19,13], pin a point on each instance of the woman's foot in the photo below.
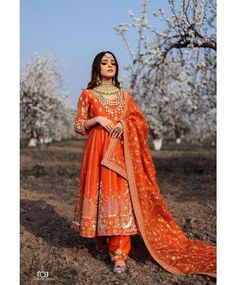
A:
[120,266]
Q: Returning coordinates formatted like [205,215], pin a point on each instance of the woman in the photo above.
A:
[118,194]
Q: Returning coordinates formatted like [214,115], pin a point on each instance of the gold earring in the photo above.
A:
[98,80]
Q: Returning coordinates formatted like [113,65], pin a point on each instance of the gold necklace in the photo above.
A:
[106,89]
[101,91]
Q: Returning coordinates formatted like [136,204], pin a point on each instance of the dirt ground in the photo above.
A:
[49,175]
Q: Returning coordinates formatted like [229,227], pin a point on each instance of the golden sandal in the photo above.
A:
[120,269]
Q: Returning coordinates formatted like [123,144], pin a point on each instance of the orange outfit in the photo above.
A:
[129,162]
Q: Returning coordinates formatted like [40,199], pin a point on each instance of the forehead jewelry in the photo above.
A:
[108,54]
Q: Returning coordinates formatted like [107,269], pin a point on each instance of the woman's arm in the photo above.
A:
[82,114]
[88,124]
[83,123]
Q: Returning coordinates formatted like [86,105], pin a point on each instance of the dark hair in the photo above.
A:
[96,70]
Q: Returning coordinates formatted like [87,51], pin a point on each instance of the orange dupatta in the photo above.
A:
[164,239]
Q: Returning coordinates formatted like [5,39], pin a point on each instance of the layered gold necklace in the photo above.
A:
[108,90]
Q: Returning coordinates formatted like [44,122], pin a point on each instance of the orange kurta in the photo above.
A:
[103,203]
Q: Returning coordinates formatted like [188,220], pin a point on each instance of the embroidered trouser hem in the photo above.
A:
[118,246]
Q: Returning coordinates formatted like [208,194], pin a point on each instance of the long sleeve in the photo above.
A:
[82,114]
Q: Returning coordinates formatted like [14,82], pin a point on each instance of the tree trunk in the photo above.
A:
[157,144]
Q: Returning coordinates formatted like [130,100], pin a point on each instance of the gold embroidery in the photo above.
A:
[108,216]
[83,113]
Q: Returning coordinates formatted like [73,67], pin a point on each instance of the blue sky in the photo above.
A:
[74,31]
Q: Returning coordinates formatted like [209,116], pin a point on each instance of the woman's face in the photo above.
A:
[108,66]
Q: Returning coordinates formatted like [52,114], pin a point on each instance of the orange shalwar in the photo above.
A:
[117,246]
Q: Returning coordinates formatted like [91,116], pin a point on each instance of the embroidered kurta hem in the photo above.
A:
[130,157]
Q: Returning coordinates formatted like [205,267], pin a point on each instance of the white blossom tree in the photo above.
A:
[45,113]
[173,71]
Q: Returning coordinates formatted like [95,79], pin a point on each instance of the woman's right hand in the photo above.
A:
[105,123]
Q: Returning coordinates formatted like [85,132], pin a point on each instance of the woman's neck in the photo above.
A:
[106,81]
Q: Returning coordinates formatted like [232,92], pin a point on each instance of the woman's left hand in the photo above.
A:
[117,131]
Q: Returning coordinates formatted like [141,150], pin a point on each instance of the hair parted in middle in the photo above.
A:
[95,74]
